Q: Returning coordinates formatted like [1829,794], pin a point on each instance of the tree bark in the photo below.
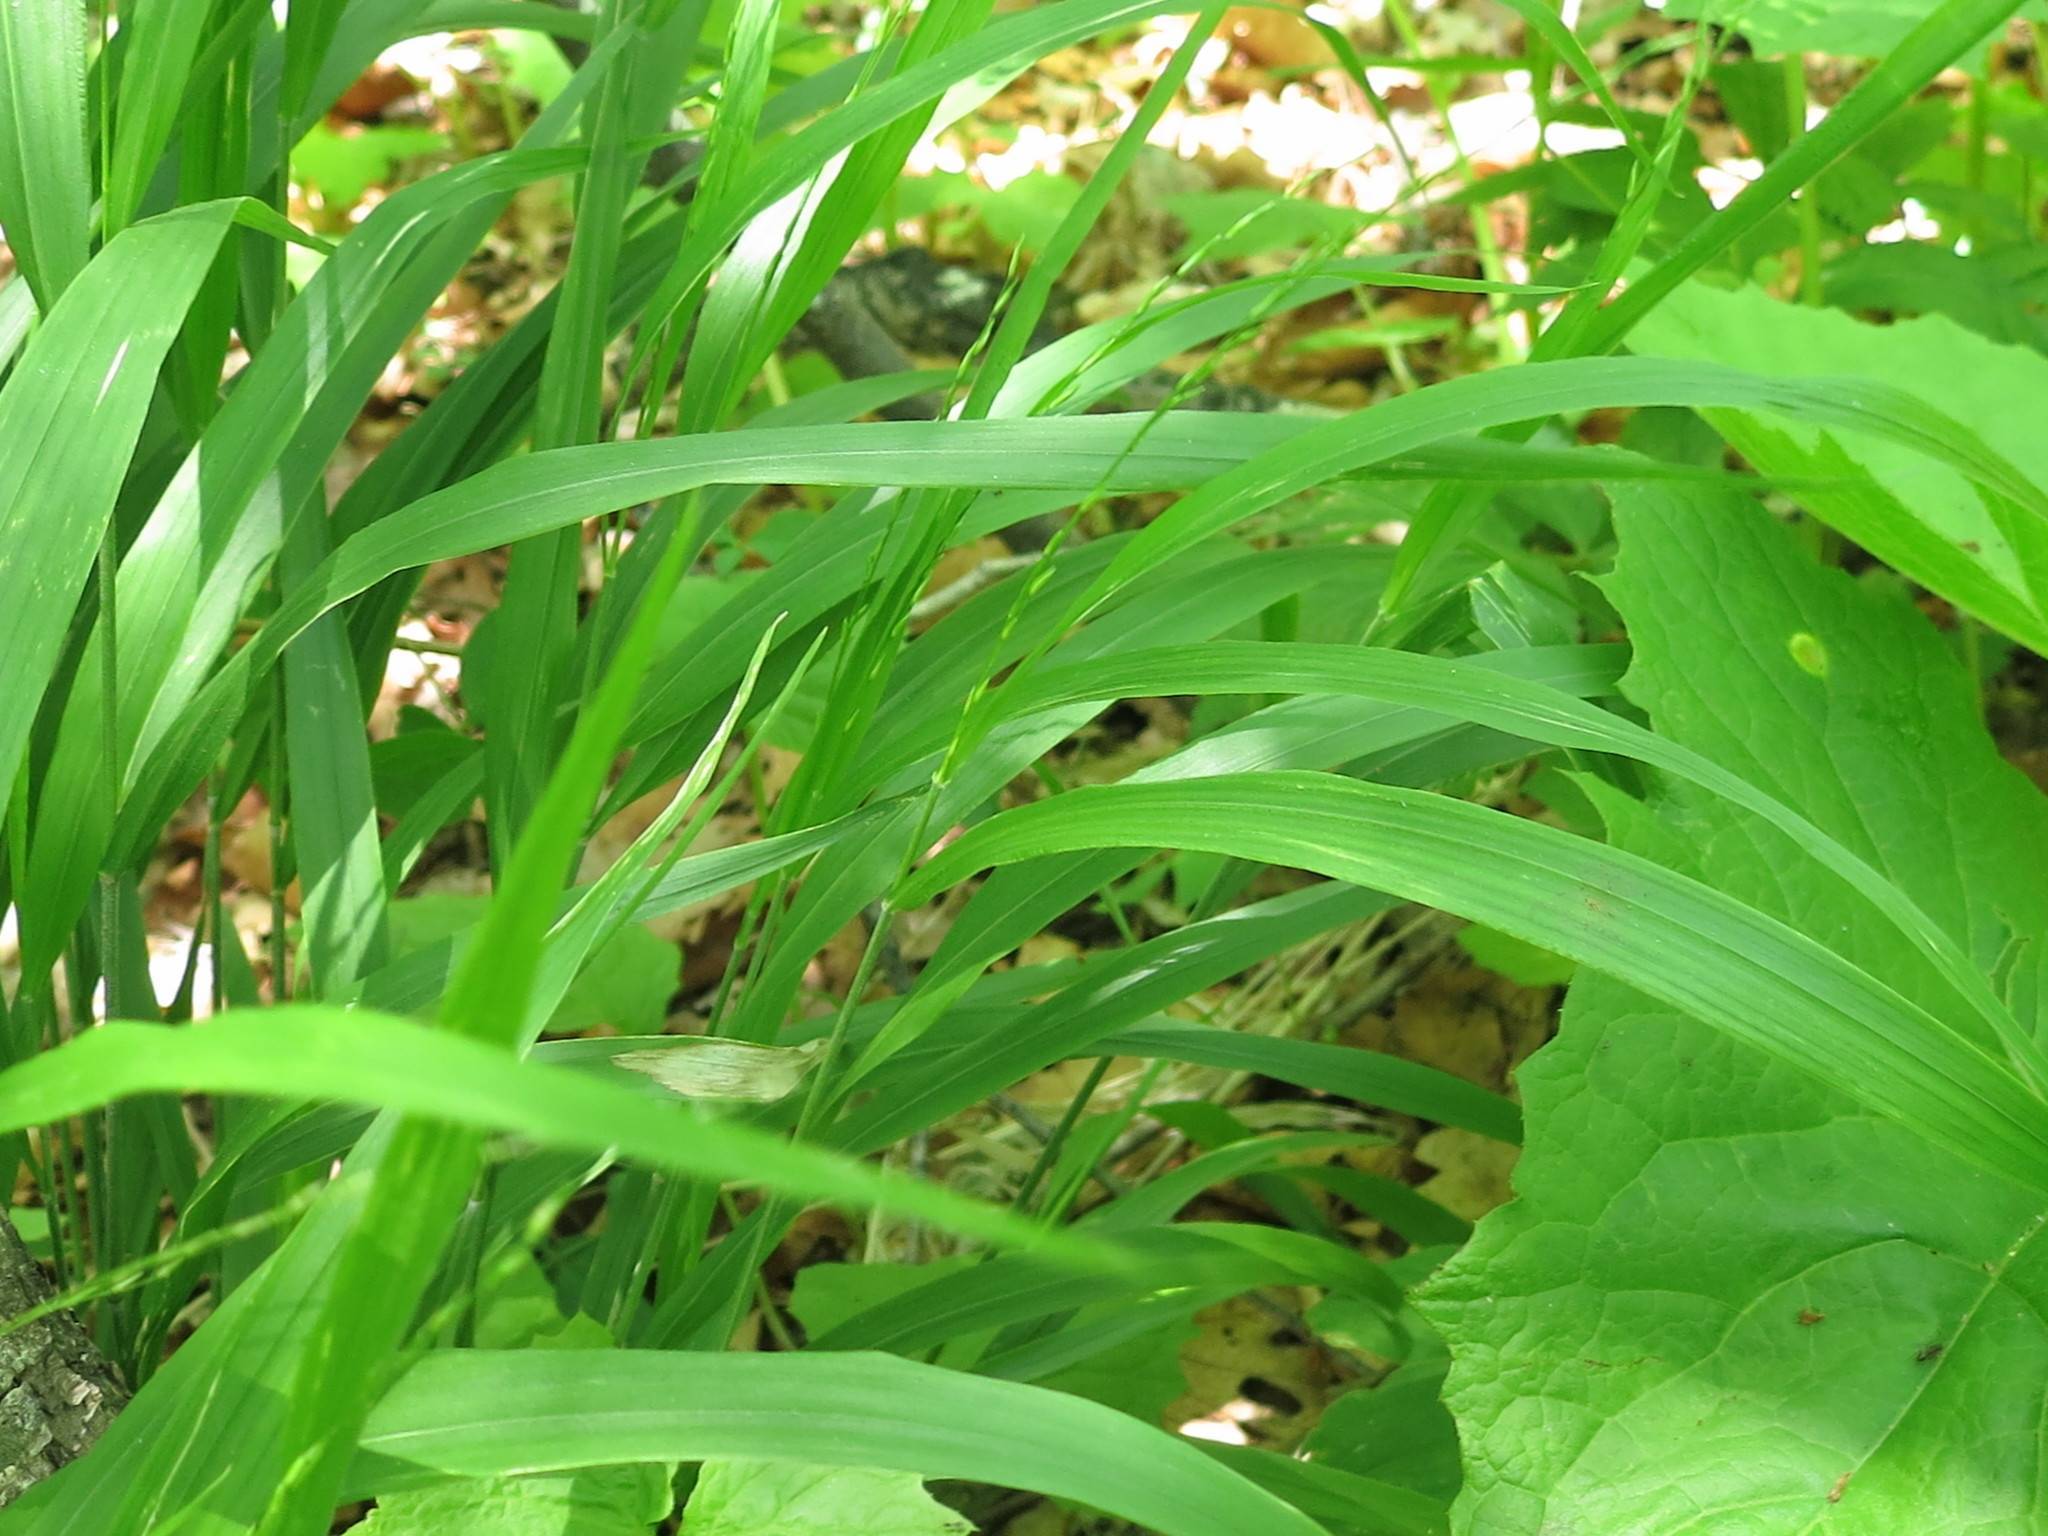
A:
[57,1391]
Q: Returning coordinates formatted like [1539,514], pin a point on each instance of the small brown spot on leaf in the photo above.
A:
[1808,1317]
[1928,1352]
[1841,1483]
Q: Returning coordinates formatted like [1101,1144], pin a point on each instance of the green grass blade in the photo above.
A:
[1946,33]
[208,542]
[333,803]
[968,1055]
[1490,697]
[544,491]
[419,980]
[475,1413]
[312,1051]
[1162,1199]
[1700,951]
[846,208]
[418,1187]
[1299,733]
[1095,359]
[1019,1288]
[731,340]
[1949,31]
[526,690]
[1546,24]
[309,29]
[611,901]
[45,167]
[70,416]
[1345,1500]
[1369,1077]
[1010,42]
[17,320]
[1475,402]
[161,39]
[1026,309]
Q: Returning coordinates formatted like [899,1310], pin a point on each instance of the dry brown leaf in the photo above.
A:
[1472,1171]
[1253,1378]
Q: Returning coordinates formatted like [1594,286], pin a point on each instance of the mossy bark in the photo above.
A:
[57,1391]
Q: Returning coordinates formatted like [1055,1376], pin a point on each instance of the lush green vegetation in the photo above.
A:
[1676,683]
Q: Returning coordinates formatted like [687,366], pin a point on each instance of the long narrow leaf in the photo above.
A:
[314,1052]
[45,183]
[70,415]
[1679,941]
[1489,696]
[479,1413]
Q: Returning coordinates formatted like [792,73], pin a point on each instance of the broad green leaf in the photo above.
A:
[341,167]
[1397,1430]
[1711,955]
[601,1501]
[792,1498]
[1524,964]
[1595,324]
[476,1413]
[1728,1297]
[1977,550]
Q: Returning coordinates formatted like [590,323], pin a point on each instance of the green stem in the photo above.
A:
[1027,1192]
[1977,154]
[1807,203]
